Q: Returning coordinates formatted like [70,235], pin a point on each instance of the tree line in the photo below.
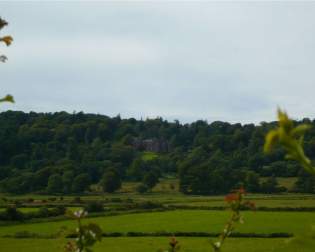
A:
[68,152]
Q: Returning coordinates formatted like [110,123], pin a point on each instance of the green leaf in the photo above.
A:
[271,139]
[300,130]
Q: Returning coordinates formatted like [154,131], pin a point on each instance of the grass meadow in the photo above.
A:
[148,244]
[48,234]
[178,220]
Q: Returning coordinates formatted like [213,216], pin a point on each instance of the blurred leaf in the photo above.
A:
[3,58]
[300,130]
[96,230]
[7,40]
[291,139]
[7,98]
[271,139]
[3,23]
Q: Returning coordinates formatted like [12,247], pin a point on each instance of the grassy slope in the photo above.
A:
[147,156]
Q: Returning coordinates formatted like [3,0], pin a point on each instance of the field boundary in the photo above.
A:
[262,208]
[30,235]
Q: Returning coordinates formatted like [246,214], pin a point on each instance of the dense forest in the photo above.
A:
[62,153]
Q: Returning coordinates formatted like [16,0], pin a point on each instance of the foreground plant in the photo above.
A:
[173,245]
[7,98]
[5,39]
[291,139]
[236,203]
[87,235]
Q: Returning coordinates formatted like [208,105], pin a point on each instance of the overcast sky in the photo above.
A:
[233,62]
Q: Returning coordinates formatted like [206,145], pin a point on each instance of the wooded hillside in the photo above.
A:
[66,153]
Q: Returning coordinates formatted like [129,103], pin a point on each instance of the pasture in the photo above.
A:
[49,234]
[154,244]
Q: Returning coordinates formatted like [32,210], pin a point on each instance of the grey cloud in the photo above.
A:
[215,61]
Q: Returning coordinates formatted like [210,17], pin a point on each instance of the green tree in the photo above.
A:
[270,185]
[110,181]
[81,183]
[19,161]
[142,188]
[150,180]
[55,184]
[136,169]
[305,183]
[67,180]
[41,177]
[252,182]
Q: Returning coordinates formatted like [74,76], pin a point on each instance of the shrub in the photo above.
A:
[59,210]
[142,188]
[30,200]
[43,212]
[11,213]
[94,207]
[77,200]
[149,205]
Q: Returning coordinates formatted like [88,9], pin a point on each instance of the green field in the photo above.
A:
[194,220]
[148,244]
[179,220]
[258,202]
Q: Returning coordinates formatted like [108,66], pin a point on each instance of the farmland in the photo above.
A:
[154,244]
[48,234]
[178,220]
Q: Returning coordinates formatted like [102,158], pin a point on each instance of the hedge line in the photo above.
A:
[262,208]
[91,215]
[27,234]
[14,214]
[193,234]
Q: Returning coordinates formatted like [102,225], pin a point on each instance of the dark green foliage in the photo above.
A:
[19,161]
[209,158]
[149,205]
[142,188]
[195,234]
[77,200]
[270,185]
[55,184]
[150,180]
[11,213]
[111,181]
[19,184]
[81,183]
[43,212]
[94,207]
[67,179]
[252,183]
[305,183]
